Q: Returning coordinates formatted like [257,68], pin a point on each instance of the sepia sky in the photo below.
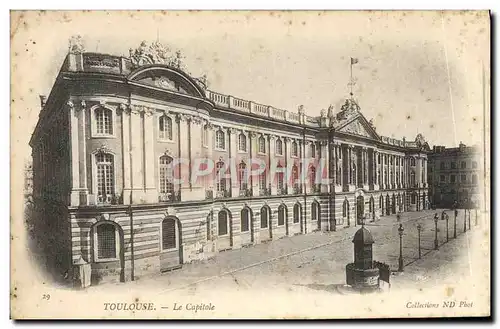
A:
[418,72]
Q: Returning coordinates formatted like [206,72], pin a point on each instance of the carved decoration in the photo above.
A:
[331,111]
[323,113]
[70,104]
[253,134]
[355,128]
[301,109]
[202,82]
[104,216]
[102,149]
[149,111]
[124,107]
[420,140]
[76,45]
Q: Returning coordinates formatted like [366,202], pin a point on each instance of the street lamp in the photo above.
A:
[446,216]
[465,220]
[436,245]
[400,230]
[419,229]
[455,225]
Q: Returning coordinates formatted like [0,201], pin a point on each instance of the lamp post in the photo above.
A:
[436,245]
[455,225]
[465,220]
[400,230]
[446,217]
[419,228]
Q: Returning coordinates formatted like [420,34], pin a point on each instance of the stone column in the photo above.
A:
[127,187]
[183,153]
[151,193]
[252,149]
[75,154]
[365,168]
[209,154]
[137,163]
[232,151]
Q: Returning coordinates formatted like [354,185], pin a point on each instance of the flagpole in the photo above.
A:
[351,77]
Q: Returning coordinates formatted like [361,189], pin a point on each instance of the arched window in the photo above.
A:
[345,209]
[297,214]
[245,220]
[105,177]
[262,144]
[166,128]
[412,178]
[204,135]
[314,211]
[223,223]
[220,177]
[106,242]
[312,176]
[414,198]
[104,121]
[371,204]
[242,175]
[242,142]
[166,177]
[220,140]
[295,149]
[264,217]
[262,181]
[281,215]
[295,176]
[381,202]
[313,150]
[169,234]
[279,147]
[279,178]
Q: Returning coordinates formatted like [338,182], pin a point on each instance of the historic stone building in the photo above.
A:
[455,175]
[106,156]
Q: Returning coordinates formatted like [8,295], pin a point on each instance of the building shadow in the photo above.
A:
[331,288]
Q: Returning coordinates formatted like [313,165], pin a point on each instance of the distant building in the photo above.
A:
[454,175]
[28,181]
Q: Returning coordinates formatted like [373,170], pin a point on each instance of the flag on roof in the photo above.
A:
[354,61]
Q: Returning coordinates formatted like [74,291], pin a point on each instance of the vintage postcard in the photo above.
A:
[250,164]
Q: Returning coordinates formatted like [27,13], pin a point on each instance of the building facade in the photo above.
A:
[454,175]
[121,142]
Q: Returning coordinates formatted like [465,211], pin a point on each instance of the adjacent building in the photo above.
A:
[454,175]
[116,136]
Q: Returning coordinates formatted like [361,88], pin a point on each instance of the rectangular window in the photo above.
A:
[463,165]
[313,150]
[106,241]
[453,165]
[463,178]
[442,165]
[442,178]
[452,179]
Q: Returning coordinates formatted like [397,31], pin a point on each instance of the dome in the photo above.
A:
[363,236]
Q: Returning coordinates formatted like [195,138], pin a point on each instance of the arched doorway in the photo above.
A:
[316,215]
[360,209]
[107,249]
[283,217]
[345,212]
[388,204]
[372,207]
[224,230]
[393,203]
[171,244]
[297,217]
[266,226]
[246,226]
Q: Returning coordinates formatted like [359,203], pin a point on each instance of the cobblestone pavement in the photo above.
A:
[317,260]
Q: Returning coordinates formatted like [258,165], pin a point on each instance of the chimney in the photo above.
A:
[43,100]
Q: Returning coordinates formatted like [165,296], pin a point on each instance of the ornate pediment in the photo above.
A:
[356,127]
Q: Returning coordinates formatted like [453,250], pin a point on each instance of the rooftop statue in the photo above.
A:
[76,44]
[420,140]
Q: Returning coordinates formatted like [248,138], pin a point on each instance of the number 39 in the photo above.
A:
[46,296]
